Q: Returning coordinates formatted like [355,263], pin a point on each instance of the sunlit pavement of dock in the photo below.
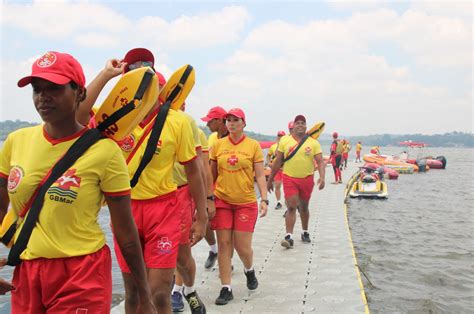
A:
[319,277]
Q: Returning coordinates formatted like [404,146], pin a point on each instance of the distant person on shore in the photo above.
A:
[155,204]
[298,177]
[335,158]
[358,150]
[345,151]
[278,177]
[215,121]
[66,267]
[234,160]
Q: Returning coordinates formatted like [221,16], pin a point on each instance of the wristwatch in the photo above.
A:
[211,198]
[265,201]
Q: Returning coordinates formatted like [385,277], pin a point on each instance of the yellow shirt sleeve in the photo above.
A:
[186,145]
[204,143]
[5,153]
[115,177]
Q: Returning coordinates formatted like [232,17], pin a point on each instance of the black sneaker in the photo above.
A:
[252,282]
[195,303]
[211,260]
[287,242]
[305,237]
[278,206]
[224,297]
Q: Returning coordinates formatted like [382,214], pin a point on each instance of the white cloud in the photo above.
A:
[56,20]
[98,40]
[325,69]
[199,31]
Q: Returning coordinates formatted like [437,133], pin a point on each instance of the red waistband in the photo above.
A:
[163,197]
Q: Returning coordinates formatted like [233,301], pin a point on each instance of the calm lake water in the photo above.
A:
[416,248]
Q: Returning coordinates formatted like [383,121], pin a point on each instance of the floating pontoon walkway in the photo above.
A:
[320,277]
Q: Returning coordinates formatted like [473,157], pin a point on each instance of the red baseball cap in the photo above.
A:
[290,125]
[335,135]
[138,54]
[299,117]
[236,112]
[214,113]
[59,68]
[281,133]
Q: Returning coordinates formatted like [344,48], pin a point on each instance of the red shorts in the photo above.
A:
[80,284]
[186,206]
[235,217]
[279,175]
[303,187]
[158,222]
[345,156]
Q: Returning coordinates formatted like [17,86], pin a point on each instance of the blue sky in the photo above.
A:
[362,67]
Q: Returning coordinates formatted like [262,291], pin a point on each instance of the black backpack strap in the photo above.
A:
[296,149]
[152,142]
[158,126]
[74,152]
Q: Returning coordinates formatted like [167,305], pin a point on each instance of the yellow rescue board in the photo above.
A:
[316,130]
[123,93]
[182,81]
[8,228]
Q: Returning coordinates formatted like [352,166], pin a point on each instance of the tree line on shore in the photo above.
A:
[452,139]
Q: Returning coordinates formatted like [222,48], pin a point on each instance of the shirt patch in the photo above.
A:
[14,178]
[128,143]
[232,160]
[61,191]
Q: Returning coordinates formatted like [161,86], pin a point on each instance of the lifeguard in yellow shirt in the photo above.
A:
[154,199]
[298,177]
[234,160]
[278,177]
[66,266]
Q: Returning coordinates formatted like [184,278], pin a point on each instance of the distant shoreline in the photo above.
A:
[452,139]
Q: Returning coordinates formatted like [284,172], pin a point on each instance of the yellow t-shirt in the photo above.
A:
[358,147]
[204,142]
[212,139]
[271,154]
[179,174]
[67,224]
[176,144]
[301,164]
[235,168]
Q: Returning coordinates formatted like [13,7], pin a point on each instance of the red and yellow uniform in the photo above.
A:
[298,172]
[236,206]
[204,141]
[212,139]
[185,201]
[67,224]
[67,234]
[271,155]
[154,201]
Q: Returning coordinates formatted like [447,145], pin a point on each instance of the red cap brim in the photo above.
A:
[206,119]
[52,77]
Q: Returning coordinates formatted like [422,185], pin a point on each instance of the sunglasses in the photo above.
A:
[140,64]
